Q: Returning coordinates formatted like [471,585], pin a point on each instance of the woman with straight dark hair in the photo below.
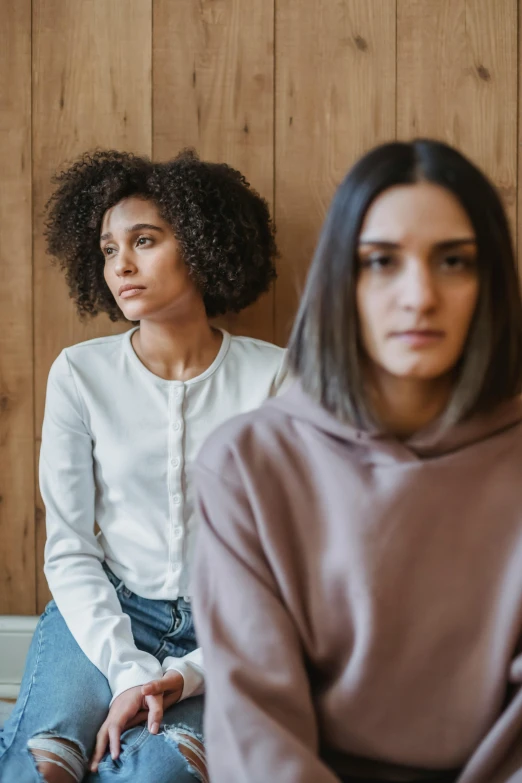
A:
[358,583]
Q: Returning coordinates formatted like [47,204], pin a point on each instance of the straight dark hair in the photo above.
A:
[324,349]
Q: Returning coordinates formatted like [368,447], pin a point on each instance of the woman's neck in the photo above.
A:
[404,405]
[177,350]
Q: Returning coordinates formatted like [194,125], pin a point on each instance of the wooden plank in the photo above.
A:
[335,98]
[213,90]
[91,88]
[17,559]
[457,81]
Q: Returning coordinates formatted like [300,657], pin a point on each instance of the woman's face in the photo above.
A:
[418,283]
[143,265]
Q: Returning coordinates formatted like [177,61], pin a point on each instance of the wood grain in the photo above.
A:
[457,81]
[91,88]
[335,98]
[17,550]
[213,90]
[290,92]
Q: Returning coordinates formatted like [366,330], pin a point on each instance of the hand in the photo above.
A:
[170,687]
[123,711]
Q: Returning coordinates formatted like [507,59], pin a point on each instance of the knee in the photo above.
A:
[53,774]
[58,760]
[192,749]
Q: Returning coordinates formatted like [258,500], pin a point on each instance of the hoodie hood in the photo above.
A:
[435,440]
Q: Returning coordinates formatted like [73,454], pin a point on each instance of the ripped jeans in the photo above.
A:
[63,694]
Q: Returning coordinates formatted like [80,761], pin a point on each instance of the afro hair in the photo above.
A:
[221,223]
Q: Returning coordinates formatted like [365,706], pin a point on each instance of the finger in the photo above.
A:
[155,705]
[171,680]
[154,688]
[171,698]
[114,740]
[101,745]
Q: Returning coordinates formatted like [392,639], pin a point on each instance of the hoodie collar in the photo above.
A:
[432,441]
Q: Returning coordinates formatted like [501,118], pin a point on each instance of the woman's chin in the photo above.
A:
[135,312]
[420,371]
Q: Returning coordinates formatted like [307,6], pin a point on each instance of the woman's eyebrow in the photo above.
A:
[447,243]
[131,229]
[378,243]
[141,226]
[456,243]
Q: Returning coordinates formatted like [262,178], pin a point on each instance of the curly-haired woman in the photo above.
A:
[166,246]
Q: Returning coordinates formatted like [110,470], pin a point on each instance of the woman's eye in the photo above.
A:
[108,251]
[456,262]
[453,260]
[141,241]
[378,263]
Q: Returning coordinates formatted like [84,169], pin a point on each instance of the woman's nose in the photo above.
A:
[125,264]
[419,289]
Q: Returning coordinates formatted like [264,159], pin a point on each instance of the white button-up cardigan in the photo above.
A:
[118,443]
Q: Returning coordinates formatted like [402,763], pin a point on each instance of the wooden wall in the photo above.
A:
[289,91]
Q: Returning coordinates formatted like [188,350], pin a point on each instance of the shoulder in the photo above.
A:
[253,350]
[91,358]
[246,439]
[257,363]
[97,348]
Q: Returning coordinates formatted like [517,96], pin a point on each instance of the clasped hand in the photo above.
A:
[133,706]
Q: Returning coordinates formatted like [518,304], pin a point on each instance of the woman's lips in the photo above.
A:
[419,338]
[127,291]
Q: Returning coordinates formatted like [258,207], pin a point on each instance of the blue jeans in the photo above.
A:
[64,694]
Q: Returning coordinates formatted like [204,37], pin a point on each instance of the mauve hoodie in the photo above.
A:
[359,599]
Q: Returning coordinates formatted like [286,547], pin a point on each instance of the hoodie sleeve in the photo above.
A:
[73,557]
[260,720]
[498,757]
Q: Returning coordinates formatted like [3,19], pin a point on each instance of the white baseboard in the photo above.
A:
[15,637]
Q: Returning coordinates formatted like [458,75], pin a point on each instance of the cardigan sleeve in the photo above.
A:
[73,557]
